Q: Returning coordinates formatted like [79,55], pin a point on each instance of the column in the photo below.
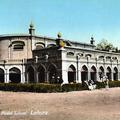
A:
[37,77]
[89,75]
[6,76]
[97,76]
[112,75]
[46,77]
[79,75]
[64,66]
[88,64]
[27,77]
[65,76]
[23,74]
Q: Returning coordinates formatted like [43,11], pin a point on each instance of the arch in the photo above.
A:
[108,57]
[70,53]
[15,75]
[2,75]
[52,74]
[71,74]
[101,72]
[84,73]
[88,55]
[39,45]
[51,45]
[93,73]
[41,74]
[17,45]
[114,58]
[108,73]
[30,75]
[115,73]
[101,57]
[18,42]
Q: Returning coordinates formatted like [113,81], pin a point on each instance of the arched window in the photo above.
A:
[70,53]
[30,75]
[84,73]
[14,75]
[39,45]
[114,58]
[52,73]
[88,55]
[93,73]
[115,74]
[101,72]
[108,73]
[41,74]
[71,74]
[2,75]
[101,57]
[51,45]
[17,45]
[108,57]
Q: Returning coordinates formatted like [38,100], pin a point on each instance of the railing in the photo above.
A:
[14,61]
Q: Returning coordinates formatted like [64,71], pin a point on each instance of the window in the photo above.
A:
[70,54]
[101,57]
[18,47]
[51,45]
[88,55]
[108,57]
[39,45]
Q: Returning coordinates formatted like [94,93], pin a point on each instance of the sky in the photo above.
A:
[77,20]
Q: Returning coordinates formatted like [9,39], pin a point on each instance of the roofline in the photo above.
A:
[93,50]
[44,37]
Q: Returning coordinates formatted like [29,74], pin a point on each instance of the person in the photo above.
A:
[107,82]
[91,85]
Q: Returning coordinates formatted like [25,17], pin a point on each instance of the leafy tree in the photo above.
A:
[105,45]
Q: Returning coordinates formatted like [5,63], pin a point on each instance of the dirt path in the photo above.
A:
[83,105]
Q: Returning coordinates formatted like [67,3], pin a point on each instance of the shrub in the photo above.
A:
[73,87]
[47,88]
[30,87]
[100,85]
[114,84]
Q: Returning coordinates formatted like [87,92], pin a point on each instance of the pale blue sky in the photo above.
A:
[75,19]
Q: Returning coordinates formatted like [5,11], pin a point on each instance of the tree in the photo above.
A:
[105,45]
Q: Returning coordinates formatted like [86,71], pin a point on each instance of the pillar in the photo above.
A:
[6,76]
[89,75]
[79,76]
[65,76]
[112,75]
[37,77]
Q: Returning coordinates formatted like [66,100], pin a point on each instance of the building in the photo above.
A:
[29,58]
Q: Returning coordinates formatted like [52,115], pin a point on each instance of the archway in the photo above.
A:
[30,75]
[84,73]
[93,73]
[52,74]
[2,74]
[41,74]
[108,73]
[15,75]
[71,74]
[115,74]
[101,72]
